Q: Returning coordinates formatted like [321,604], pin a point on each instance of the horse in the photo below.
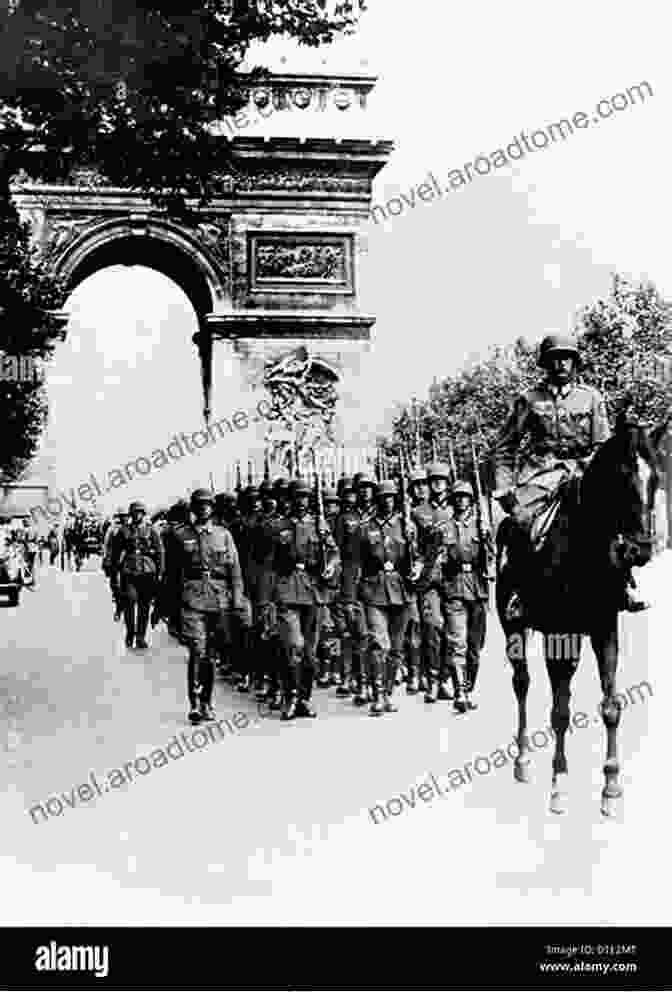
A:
[574,585]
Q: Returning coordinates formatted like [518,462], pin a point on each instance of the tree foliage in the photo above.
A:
[625,344]
[134,86]
[29,299]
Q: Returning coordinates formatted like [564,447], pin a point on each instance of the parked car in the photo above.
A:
[12,570]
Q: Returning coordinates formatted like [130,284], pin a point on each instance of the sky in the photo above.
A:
[515,252]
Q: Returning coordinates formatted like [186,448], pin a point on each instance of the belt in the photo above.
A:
[465,567]
[205,573]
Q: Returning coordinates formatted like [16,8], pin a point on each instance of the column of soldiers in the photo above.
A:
[281,592]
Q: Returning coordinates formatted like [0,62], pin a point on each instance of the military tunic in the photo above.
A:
[546,438]
[383,589]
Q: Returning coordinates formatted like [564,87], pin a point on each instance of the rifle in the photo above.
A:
[483,534]
[267,466]
[321,518]
[451,459]
[406,522]
[239,481]
[250,473]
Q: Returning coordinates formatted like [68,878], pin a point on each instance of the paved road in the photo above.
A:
[271,823]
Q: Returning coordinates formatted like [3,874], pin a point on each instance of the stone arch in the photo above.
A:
[156,243]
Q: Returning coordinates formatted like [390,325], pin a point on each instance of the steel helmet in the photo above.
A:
[556,344]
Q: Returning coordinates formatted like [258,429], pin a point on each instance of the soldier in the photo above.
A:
[117,522]
[204,565]
[347,610]
[169,594]
[329,641]
[458,579]
[431,518]
[384,558]
[30,540]
[137,564]
[418,485]
[563,422]
[301,556]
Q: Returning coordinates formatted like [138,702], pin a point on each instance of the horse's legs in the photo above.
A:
[562,653]
[516,651]
[605,646]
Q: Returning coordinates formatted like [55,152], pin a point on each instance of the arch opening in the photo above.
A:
[149,252]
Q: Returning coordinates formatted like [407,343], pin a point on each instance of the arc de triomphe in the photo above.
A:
[271,264]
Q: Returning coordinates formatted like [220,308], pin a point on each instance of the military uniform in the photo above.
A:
[432,519]
[413,637]
[384,558]
[204,564]
[547,440]
[329,647]
[458,582]
[347,610]
[292,583]
[138,565]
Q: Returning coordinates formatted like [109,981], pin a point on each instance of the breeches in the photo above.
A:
[139,589]
[298,629]
[386,627]
[465,622]
[198,626]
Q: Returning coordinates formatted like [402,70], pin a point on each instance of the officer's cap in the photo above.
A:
[265,487]
[462,488]
[387,488]
[330,496]
[280,482]
[554,345]
[438,470]
[301,488]
[137,505]
[202,496]
[346,485]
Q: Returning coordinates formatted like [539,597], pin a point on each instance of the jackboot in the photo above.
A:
[377,677]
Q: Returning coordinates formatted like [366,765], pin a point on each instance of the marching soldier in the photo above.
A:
[329,642]
[118,521]
[418,485]
[137,567]
[204,566]
[458,583]
[431,518]
[348,611]
[563,422]
[384,557]
[300,558]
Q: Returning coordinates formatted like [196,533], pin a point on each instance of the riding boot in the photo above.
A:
[391,672]
[207,673]
[462,702]
[413,670]
[143,620]
[129,620]
[307,677]
[430,673]
[446,672]
[194,688]
[345,688]
[377,677]
[291,687]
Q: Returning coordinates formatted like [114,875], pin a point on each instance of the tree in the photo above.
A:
[625,343]
[29,326]
[135,86]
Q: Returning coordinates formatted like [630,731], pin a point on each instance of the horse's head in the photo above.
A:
[624,478]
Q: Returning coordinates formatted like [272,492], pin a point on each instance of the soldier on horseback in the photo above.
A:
[548,440]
